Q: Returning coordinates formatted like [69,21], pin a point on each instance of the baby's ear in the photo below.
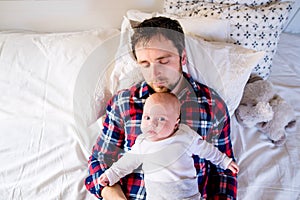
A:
[177,123]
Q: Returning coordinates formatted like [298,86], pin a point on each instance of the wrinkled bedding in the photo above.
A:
[267,171]
[44,152]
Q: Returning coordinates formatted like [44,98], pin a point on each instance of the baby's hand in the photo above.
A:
[234,167]
[103,180]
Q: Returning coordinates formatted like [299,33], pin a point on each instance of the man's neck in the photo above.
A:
[179,86]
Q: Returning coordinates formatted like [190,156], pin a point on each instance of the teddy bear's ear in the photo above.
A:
[291,126]
[253,78]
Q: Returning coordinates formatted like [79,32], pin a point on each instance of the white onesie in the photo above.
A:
[168,165]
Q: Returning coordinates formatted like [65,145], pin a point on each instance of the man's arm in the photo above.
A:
[106,149]
[221,184]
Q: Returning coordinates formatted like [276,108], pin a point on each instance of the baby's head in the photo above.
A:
[160,116]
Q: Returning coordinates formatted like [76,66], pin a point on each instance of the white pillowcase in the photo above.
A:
[224,67]
[43,76]
[208,28]
[67,54]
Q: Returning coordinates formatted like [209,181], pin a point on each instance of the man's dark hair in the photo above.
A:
[158,26]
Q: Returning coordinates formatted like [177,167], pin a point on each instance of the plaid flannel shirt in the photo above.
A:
[201,108]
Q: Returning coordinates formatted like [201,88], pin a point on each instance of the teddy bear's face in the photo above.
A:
[254,107]
[252,114]
[263,108]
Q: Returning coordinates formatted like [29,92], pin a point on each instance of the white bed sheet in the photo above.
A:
[42,156]
[41,153]
[267,171]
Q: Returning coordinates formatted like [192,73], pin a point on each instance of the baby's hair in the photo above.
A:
[167,99]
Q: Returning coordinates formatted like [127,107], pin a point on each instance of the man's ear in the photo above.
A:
[183,57]
[177,123]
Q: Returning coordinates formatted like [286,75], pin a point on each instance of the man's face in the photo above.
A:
[160,63]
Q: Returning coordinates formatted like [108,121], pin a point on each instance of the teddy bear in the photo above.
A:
[263,108]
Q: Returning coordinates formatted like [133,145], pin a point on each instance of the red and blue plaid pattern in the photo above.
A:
[202,109]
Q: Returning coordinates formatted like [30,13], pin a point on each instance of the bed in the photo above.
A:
[60,62]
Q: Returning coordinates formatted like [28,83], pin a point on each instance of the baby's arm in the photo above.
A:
[125,165]
[210,152]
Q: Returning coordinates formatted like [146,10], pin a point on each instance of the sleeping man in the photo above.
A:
[159,49]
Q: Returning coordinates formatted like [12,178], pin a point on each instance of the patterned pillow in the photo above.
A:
[245,2]
[179,3]
[254,27]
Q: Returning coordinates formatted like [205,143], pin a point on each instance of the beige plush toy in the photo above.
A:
[263,108]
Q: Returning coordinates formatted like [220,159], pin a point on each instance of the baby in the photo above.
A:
[165,150]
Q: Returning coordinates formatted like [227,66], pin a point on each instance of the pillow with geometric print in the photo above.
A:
[245,2]
[253,27]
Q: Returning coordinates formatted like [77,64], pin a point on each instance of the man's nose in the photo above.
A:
[155,69]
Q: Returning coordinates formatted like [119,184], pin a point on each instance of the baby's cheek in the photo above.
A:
[165,127]
[144,127]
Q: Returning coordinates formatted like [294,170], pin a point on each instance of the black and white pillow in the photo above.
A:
[245,2]
[253,27]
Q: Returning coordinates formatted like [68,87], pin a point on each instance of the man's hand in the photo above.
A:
[113,193]
[103,180]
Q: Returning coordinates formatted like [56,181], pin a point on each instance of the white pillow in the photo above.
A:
[208,28]
[23,69]
[67,54]
[224,67]
[43,76]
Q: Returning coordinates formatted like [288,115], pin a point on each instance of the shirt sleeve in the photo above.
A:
[222,184]
[209,152]
[125,165]
[106,149]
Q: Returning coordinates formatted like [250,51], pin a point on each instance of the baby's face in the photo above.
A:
[158,121]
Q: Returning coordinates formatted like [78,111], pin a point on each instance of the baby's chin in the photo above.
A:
[152,137]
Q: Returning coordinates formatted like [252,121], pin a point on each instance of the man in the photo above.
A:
[159,49]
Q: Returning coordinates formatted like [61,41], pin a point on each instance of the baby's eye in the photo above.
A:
[161,119]
[146,118]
